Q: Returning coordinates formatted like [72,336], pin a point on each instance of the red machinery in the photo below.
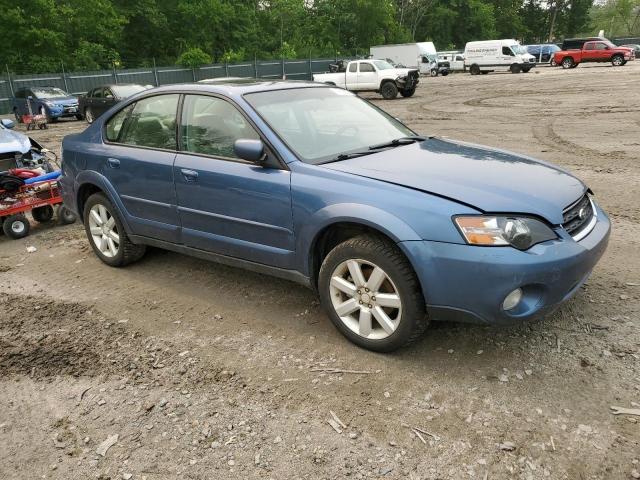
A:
[39,198]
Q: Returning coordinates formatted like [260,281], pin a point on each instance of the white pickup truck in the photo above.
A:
[373,76]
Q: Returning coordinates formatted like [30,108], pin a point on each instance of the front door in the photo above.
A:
[227,205]
[367,77]
[138,162]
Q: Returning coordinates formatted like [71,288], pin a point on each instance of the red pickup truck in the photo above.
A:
[594,51]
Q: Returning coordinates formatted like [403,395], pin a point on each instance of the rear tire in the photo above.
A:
[111,243]
[42,214]
[567,62]
[16,226]
[88,115]
[474,70]
[374,323]
[617,60]
[389,90]
[66,216]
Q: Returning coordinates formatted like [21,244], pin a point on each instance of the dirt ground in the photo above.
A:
[208,372]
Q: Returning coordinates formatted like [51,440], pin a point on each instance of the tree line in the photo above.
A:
[45,35]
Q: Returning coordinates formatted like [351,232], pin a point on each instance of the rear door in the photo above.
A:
[137,159]
[227,205]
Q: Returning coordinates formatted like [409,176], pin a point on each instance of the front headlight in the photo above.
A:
[499,231]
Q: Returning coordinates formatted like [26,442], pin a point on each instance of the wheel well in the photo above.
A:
[84,193]
[387,80]
[332,236]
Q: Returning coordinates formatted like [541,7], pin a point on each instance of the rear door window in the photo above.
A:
[353,67]
[366,67]
[150,122]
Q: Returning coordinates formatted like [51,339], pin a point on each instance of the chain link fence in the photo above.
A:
[81,82]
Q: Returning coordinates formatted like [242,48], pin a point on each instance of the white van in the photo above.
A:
[487,56]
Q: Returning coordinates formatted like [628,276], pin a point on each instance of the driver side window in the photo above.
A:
[507,51]
[211,126]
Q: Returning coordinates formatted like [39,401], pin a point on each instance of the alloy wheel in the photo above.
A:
[88,115]
[365,299]
[104,231]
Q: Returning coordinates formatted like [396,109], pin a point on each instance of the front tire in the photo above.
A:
[515,68]
[16,226]
[389,90]
[107,235]
[408,93]
[372,295]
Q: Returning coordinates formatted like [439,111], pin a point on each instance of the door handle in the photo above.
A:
[113,162]
[189,175]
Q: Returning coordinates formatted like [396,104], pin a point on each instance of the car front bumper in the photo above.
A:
[469,284]
[59,111]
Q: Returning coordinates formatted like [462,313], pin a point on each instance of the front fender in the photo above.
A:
[310,229]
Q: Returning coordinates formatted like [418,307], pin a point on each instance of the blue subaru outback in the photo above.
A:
[310,183]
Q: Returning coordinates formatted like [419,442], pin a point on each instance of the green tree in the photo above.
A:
[193,58]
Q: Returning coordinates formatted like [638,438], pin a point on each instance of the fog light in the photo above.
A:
[512,300]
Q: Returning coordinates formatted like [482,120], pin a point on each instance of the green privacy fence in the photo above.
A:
[81,82]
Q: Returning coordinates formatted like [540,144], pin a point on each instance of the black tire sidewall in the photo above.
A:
[99,198]
[389,91]
[66,216]
[413,304]
[42,214]
[9,221]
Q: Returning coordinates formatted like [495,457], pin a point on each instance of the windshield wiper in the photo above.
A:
[398,142]
[372,149]
[347,156]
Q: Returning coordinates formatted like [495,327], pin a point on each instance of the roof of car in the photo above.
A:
[235,88]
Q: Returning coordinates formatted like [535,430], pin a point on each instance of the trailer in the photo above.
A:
[420,55]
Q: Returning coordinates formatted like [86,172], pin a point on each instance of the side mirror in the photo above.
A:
[249,150]
[6,123]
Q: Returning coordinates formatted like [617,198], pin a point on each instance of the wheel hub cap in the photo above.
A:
[104,231]
[365,299]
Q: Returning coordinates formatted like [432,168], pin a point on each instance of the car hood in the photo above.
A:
[11,141]
[62,101]
[486,179]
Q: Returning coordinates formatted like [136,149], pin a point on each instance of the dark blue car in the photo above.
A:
[310,183]
[50,101]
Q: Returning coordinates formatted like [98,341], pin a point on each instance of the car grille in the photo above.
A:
[577,218]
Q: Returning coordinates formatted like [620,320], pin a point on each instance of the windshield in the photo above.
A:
[518,49]
[124,91]
[382,64]
[49,92]
[319,124]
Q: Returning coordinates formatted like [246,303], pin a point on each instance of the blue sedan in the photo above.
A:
[310,183]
